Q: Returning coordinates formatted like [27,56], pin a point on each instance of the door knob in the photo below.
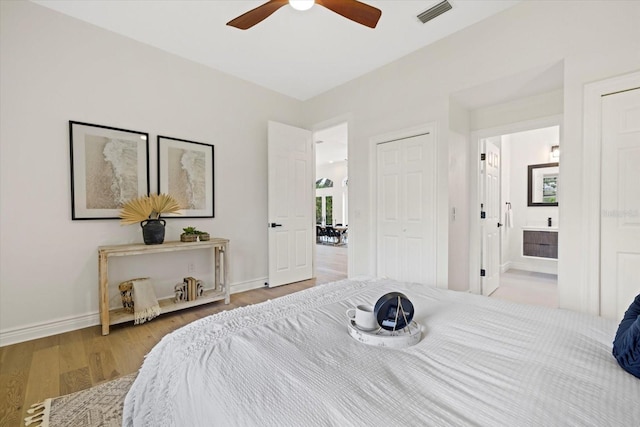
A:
[274,225]
[499,225]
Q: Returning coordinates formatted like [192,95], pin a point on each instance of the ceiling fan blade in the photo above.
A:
[254,16]
[354,10]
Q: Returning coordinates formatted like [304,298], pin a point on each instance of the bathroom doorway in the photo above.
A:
[528,214]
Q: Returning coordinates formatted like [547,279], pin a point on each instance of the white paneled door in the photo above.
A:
[620,202]
[490,224]
[291,204]
[406,209]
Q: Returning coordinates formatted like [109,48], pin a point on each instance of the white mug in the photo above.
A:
[363,317]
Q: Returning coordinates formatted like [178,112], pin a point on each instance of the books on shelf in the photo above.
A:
[190,289]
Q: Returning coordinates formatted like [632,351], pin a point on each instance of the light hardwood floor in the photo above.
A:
[53,366]
[331,263]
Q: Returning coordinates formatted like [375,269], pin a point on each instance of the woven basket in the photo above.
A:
[126,294]
[194,237]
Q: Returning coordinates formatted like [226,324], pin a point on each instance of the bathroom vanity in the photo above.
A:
[540,242]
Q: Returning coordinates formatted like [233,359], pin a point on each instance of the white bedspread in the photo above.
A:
[291,362]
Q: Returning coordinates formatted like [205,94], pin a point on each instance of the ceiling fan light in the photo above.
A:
[301,4]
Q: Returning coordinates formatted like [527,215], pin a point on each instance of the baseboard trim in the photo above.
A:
[248,285]
[72,323]
[504,267]
[537,268]
[45,329]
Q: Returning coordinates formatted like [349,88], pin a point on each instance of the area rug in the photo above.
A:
[99,406]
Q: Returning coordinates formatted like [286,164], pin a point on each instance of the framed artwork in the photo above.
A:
[185,171]
[109,166]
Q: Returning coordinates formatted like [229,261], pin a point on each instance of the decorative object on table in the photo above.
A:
[180,290]
[406,337]
[186,170]
[363,318]
[189,290]
[153,231]
[146,210]
[191,234]
[388,324]
[145,302]
[109,166]
[393,311]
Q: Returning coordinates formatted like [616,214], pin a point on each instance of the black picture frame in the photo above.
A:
[108,166]
[186,171]
[536,184]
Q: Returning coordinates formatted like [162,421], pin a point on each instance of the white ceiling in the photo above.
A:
[299,54]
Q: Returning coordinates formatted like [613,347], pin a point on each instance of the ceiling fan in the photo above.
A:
[350,9]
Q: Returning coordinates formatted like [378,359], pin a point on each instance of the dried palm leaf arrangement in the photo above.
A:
[148,207]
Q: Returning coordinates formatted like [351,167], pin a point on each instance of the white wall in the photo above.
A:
[527,148]
[416,90]
[519,110]
[56,69]
[337,172]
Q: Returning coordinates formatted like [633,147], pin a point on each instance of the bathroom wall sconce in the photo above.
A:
[555,153]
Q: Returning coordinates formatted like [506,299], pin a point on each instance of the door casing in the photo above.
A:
[353,226]
[441,219]
[475,149]
[589,294]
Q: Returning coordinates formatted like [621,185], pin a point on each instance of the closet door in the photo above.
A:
[620,201]
[406,216]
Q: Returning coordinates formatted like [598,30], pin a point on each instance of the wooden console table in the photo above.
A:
[219,292]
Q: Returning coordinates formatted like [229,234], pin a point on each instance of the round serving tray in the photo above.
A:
[394,339]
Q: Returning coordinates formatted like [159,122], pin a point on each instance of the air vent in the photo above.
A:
[436,10]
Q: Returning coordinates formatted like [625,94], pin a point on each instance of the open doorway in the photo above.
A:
[524,218]
[331,203]
[530,99]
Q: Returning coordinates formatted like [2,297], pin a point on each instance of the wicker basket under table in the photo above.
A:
[126,294]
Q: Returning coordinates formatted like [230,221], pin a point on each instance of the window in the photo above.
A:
[318,210]
[324,205]
[324,183]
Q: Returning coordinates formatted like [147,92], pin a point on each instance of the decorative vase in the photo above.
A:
[153,231]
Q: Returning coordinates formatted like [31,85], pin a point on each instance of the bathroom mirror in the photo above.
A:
[543,185]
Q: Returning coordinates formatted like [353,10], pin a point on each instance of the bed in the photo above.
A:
[480,362]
